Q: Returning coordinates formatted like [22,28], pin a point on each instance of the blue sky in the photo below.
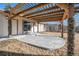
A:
[2,5]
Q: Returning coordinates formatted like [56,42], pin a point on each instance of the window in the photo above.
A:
[27,26]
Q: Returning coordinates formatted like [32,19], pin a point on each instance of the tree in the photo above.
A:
[70,40]
[8,9]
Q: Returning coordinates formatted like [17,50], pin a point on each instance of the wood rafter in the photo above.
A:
[2,12]
[59,11]
[48,19]
[44,10]
[30,9]
[65,7]
[46,16]
[56,12]
[13,10]
[62,12]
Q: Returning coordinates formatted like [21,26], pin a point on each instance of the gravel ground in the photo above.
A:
[16,47]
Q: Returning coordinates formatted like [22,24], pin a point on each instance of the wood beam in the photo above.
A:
[65,7]
[61,28]
[44,10]
[48,19]
[2,12]
[46,16]
[20,17]
[62,5]
[55,12]
[64,16]
[30,9]
[19,5]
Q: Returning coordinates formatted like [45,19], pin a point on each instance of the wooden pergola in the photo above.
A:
[44,12]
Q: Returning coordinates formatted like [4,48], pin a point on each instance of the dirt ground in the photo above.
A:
[76,48]
[15,47]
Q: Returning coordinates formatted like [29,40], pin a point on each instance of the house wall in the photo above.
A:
[17,27]
[3,26]
[14,27]
[41,27]
[20,26]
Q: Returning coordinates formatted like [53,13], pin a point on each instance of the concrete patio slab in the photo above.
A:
[44,41]
[40,40]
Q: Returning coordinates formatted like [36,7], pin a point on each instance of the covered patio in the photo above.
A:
[45,12]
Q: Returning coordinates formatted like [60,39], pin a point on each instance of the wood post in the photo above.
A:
[9,27]
[62,29]
[37,27]
[33,27]
[70,39]
[9,24]
[17,26]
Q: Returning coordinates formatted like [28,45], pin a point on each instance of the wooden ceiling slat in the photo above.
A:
[47,16]
[49,19]
[30,9]
[44,10]
[50,12]
[47,13]
[40,15]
